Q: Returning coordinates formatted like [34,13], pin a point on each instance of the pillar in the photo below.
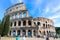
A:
[21,23]
[12,33]
[32,33]
[32,22]
[16,32]
[21,32]
[22,15]
[26,22]
[26,32]
[18,15]
[16,23]
[27,14]
[13,24]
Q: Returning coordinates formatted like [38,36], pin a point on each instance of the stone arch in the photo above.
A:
[34,32]
[29,33]
[14,33]
[38,23]
[18,32]
[19,23]
[43,32]
[24,33]
[29,22]
[24,23]
[15,23]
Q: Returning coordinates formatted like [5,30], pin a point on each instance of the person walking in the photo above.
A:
[23,38]
[47,37]
[17,37]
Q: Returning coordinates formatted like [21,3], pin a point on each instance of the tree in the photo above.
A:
[58,31]
[1,26]
[6,25]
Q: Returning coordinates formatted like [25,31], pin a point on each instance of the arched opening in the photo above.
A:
[34,33]
[46,25]
[14,23]
[16,15]
[29,22]
[38,23]
[46,21]
[24,14]
[11,24]
[20,15]
[19,23]
[14,33]
[34,23]
[24,33]
[10,33]
[18,32]
[44,33]
[43,25]
[29,33]
[24,23]
[47,32]
[40,31]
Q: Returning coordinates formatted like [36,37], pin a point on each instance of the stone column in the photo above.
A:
[16,32]
[27,14]
[12,33]
[26,22]
[16,23]
[22,15]
[21,23]
[26,32]
[13,24]
[18,15]
[14,16]
[32,22]
[21,32]
[32,33]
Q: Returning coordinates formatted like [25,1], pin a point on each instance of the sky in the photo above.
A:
[36,8]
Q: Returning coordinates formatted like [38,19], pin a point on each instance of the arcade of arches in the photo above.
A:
[27,33]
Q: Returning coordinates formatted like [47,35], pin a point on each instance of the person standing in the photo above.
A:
[23,38]
[47,37]
[17,37]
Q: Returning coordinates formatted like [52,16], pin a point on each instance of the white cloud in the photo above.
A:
[54,16]
[57,25]
[16,1]
[53,10]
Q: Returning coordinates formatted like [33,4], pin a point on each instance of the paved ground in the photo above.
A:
[13,38]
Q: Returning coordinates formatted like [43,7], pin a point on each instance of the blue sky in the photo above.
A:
[36,8]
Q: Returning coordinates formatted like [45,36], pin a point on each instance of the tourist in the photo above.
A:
[47,37]
[23,38]
[17,37]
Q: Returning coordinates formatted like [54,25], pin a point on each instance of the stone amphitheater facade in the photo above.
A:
[23,24]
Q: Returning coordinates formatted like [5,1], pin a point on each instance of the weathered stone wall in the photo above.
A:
[13,38]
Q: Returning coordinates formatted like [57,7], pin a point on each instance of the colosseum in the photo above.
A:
[23,24]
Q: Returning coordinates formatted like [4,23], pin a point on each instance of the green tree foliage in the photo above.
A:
[6,25]
[58,31]
[1,26]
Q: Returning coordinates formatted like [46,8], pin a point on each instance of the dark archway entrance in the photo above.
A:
[18,32]
[24,33]
[14,33]
[29,33]
[34,33]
